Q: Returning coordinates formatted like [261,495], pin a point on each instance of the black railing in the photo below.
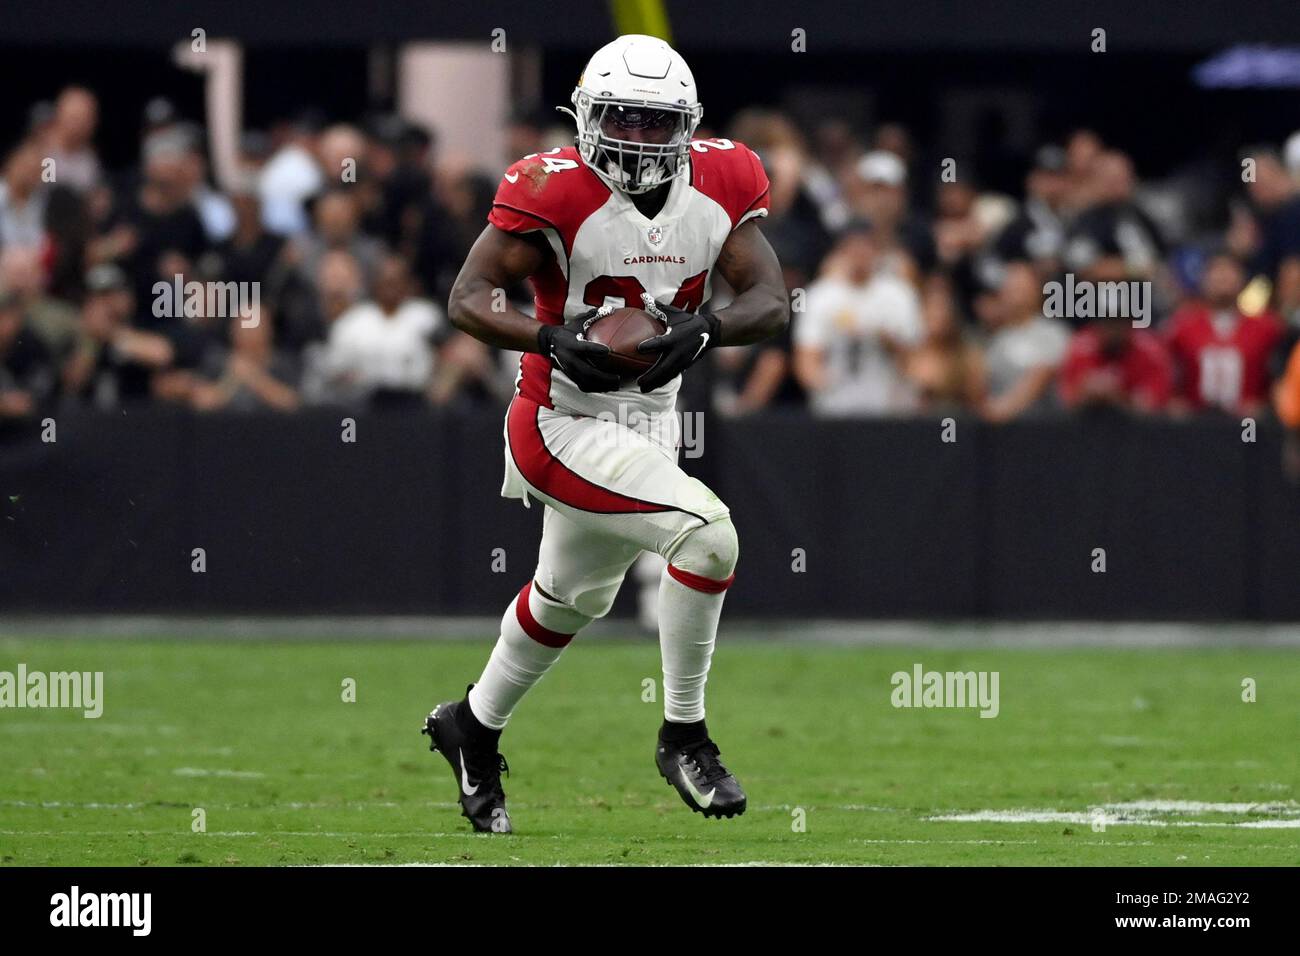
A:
[884,518]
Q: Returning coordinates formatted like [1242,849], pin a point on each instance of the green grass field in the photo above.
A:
[257,735]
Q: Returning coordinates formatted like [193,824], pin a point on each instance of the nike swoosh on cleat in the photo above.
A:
[704,802]
[464,777]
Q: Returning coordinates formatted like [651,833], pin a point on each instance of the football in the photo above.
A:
[623,330]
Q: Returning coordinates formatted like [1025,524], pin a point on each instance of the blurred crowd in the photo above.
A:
[915,288]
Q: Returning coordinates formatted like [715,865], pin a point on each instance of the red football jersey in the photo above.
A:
[1224,363]
[606,252]
[1142,370]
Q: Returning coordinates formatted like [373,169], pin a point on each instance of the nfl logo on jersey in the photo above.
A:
[655,235]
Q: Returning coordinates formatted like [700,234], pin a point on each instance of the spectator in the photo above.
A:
[337,220]
[523,135]
[877,191]
[1037,234]
[158,221]
[116,362]
[28,376]
[1025,348]
[1113,239]
[214,207]
[71,136]
[250,254]
[44,217]
[1111,366]
[23,198]
[383,349]
[1276,199]
[857,323]
[1221,357]
[838,146]
[947,368]
[961,227]
[52,320]
[247,374]
[804,195]
[338,286]
[289,178]
[342,154]
[1082,150]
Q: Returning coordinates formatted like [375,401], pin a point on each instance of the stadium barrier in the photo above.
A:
[837,519]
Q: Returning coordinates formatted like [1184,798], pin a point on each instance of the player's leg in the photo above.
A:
[700,568]
[692,587]
[578,575]
[610,480]
[646,572]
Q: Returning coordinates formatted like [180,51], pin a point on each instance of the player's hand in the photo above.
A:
[689,335]
[570,352]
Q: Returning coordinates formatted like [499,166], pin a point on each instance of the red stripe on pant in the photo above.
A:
[698,582]
[542,635]
[552,477]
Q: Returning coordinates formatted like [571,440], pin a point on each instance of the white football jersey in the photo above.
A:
[607,252]
[845,322]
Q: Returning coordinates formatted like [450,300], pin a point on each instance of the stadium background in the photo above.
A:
[892,522]
[1147,715]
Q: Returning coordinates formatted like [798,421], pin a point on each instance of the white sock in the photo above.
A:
[534,632]
[688,626]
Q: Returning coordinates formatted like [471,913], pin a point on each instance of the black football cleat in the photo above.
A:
[475,764]
[705,785]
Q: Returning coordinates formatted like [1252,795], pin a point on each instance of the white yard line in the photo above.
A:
[1143,813]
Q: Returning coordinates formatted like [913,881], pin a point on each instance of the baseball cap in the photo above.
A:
[882,166]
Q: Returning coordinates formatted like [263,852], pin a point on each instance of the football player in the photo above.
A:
[639,214]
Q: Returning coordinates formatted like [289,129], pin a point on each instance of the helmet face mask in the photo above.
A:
[637,114]
[634,145]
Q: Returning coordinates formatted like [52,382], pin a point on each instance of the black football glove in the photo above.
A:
[689,335]
[570,352]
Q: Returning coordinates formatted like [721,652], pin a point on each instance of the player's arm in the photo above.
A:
[760,309]
[477,305]
[499,260]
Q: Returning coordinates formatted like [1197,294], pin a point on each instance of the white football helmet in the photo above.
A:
[636,111]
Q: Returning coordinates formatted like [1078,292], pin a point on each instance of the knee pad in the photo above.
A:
[595,602]
[549,614]
[710,551]
[583,601]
